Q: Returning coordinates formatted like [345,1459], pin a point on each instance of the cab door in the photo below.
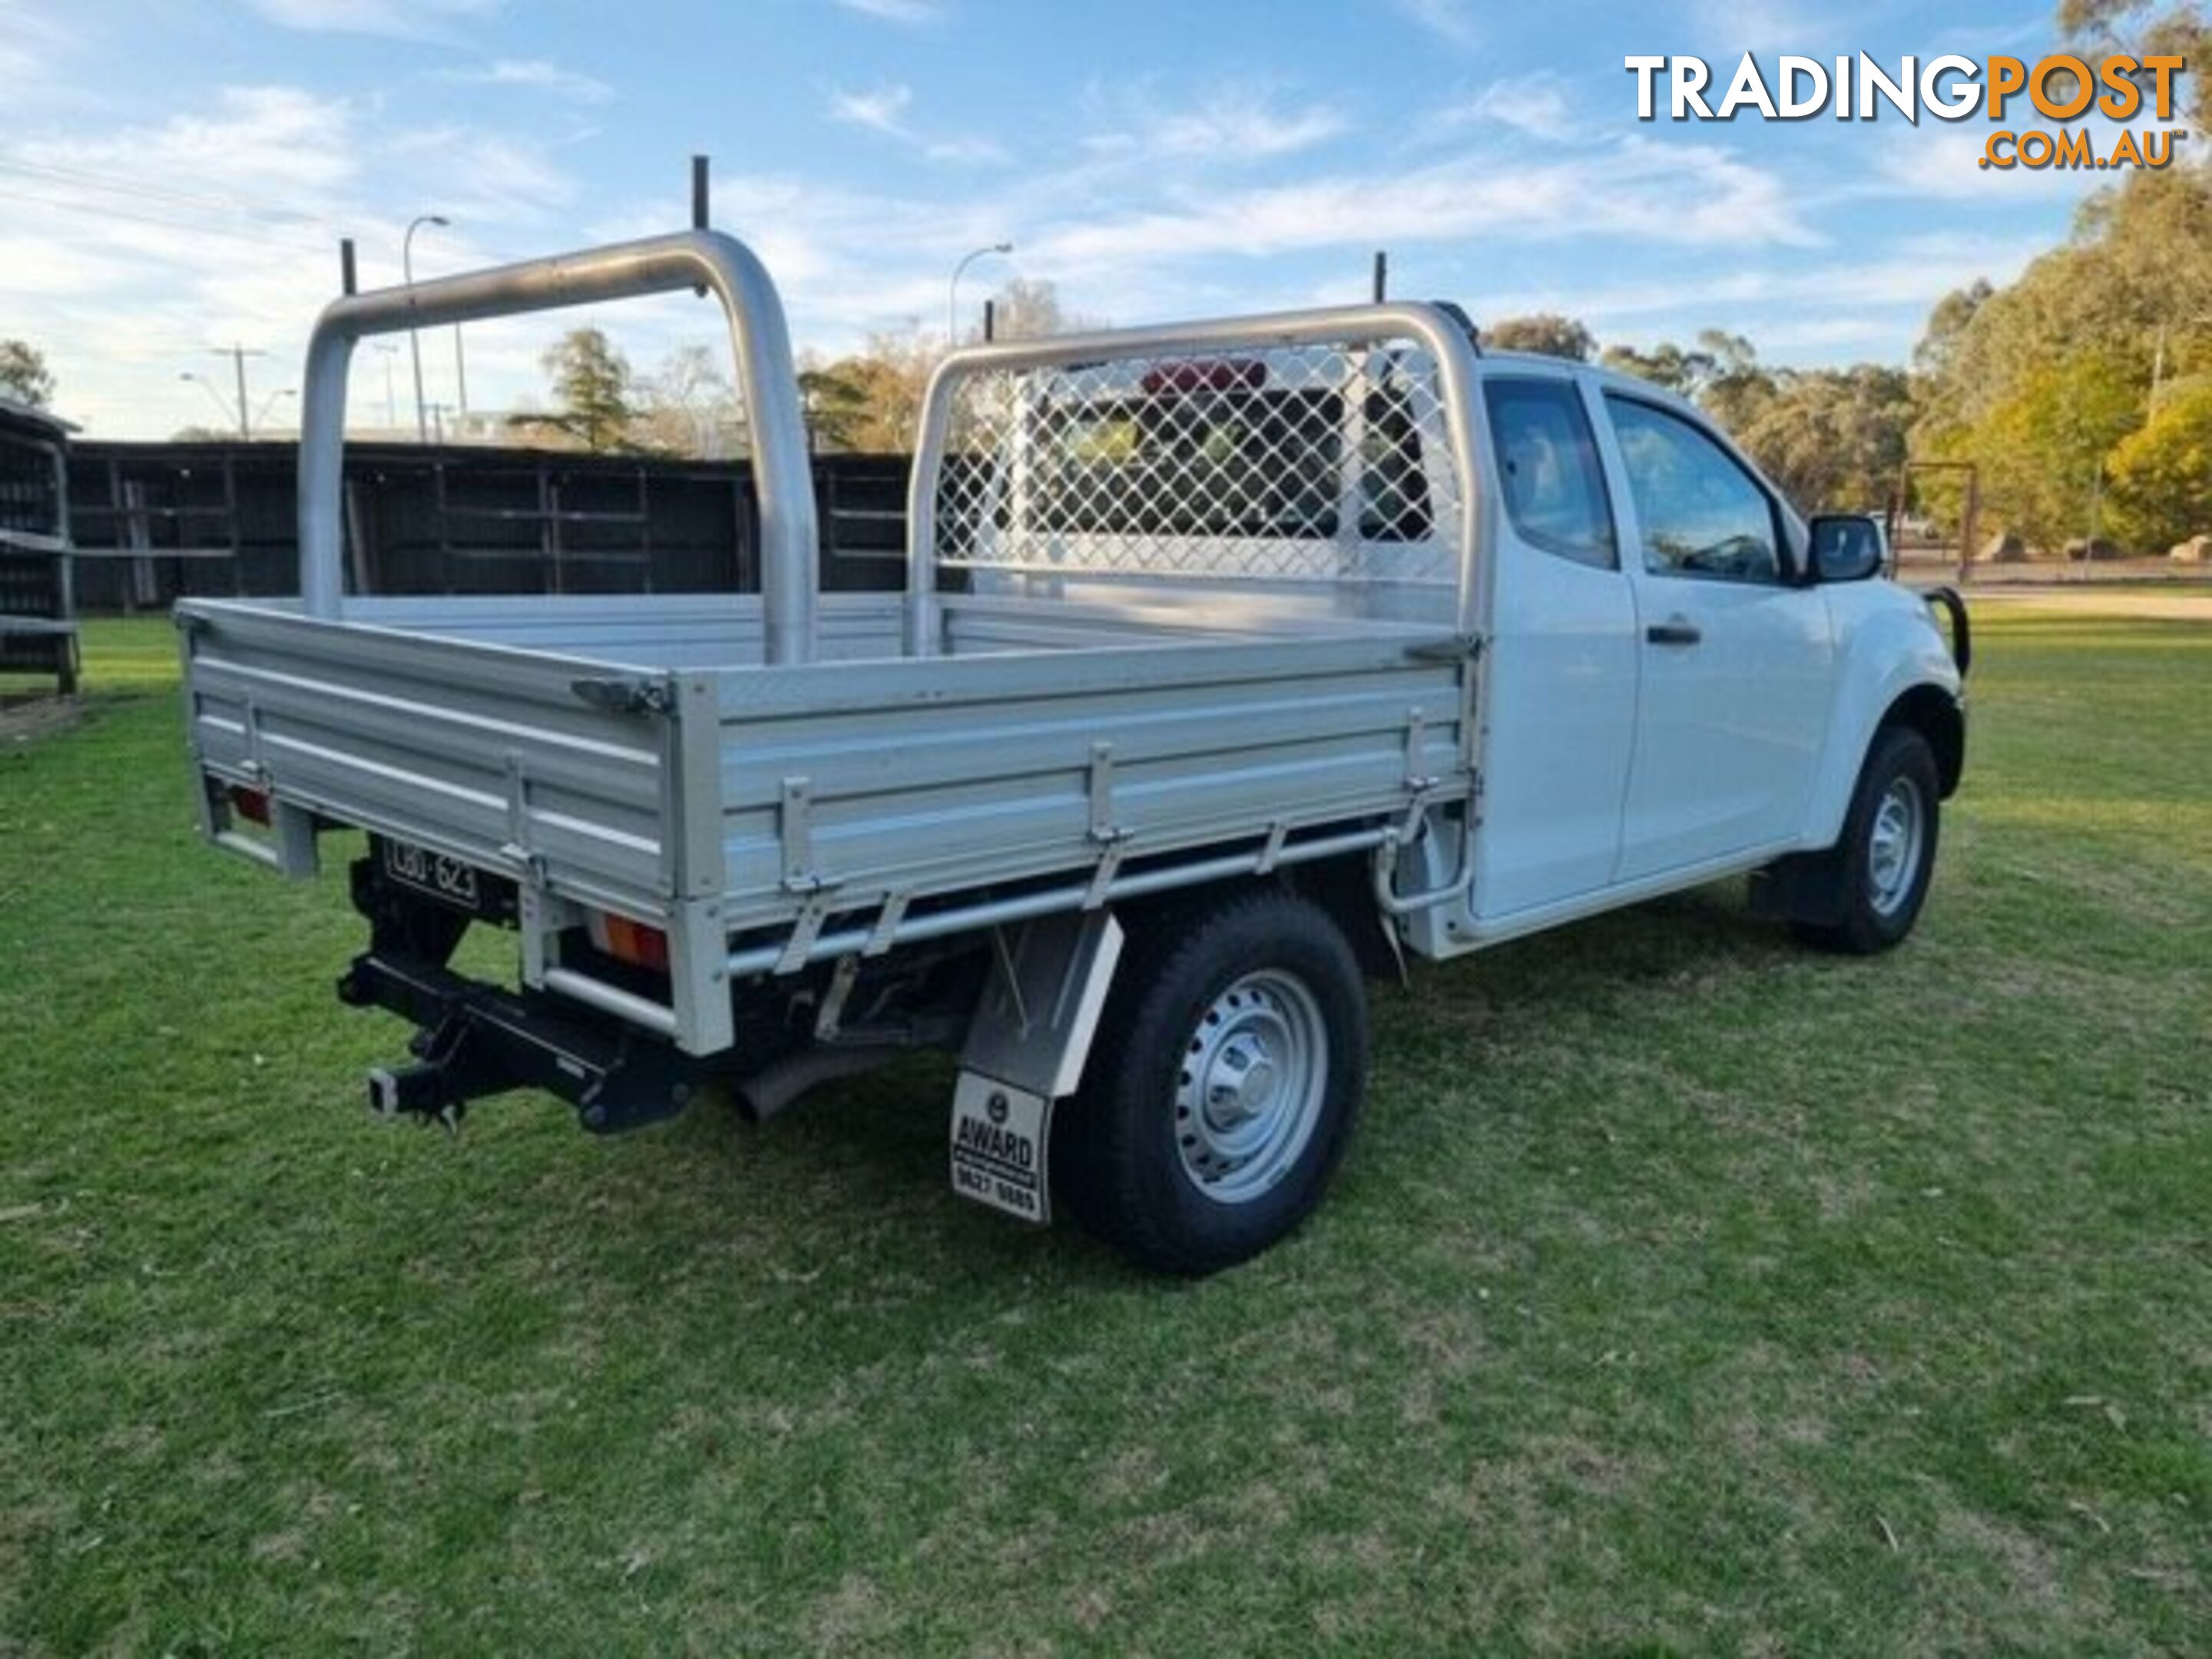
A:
[1561,688]
[1736,659]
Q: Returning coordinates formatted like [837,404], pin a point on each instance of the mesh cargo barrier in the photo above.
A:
[1326,463]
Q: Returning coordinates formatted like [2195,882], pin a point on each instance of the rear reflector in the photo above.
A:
[251,805]
[633,942]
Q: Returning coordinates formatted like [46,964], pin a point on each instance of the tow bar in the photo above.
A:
[476,1040]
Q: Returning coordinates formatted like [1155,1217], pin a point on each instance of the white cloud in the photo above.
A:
[149,244]
[271,146]
[1447,19]
[128,254]
[896,11]
[406,20]
[883,110]
[1232,123]
[130,306]
[1820,336]
[1671,194]
[1192,193]
[538,74]
[484,178]
[1874,305]
[1942,160]
[1765,26]
[1535,105]
[29,44]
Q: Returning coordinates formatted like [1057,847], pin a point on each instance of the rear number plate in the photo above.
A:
[433,874]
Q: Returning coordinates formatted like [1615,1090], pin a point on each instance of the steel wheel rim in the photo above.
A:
[1893,844]
[1249,1088]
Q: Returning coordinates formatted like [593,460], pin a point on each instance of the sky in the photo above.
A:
[173,177]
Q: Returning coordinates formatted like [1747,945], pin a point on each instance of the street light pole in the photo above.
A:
[414,340]
[204,385]
[387,350]
[238,354]
[238,362]
[952,291]
[271,401]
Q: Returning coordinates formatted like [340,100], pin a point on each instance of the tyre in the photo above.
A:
[1222,1085]
[1881,867]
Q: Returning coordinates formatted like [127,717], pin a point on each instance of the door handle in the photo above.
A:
[1675,631]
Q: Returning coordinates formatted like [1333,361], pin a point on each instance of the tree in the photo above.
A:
[2042,449]
[835,400]
[1954,314]
[1665,365]
[1833,438]
[688,406]
[592,385]
[2066,353]
[23,373]
[2146,28]
[2161,475]
[1029,308]
[1546,333]
[1736,387]
[1828,438]
[870,401]
[1722,371]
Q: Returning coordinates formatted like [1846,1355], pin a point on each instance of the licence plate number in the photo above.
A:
[441,878]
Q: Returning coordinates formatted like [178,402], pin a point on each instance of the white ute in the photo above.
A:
[1236,659]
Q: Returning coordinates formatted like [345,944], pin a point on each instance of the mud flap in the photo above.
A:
[1804,887]
[1025,1049]
[999,1140]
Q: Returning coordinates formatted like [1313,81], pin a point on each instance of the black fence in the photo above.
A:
[155,522]
[37,625]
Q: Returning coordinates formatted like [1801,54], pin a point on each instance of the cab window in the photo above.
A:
[1700,512]
[1547,463]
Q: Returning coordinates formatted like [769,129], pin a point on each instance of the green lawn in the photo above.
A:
[1683,1293]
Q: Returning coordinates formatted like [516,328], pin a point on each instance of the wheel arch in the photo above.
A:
[1343,886]
[1935,714]
[1926,699]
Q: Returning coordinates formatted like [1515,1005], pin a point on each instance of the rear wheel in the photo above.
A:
[1222,1086]
[1882,865]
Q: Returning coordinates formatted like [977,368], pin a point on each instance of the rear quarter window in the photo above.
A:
[1547,466]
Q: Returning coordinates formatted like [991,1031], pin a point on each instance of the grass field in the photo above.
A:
[1683,1293]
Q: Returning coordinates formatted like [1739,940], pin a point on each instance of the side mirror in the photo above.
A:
[1845,547]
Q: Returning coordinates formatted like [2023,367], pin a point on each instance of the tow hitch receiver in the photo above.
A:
[478,1040]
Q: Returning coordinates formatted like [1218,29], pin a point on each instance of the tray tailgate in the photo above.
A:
[482,752]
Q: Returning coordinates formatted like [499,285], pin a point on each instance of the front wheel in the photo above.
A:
[1882,865]
[1222,1085]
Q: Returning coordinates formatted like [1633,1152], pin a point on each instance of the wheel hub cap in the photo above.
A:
[1894,846]
[1239,1083]
[1250,1086]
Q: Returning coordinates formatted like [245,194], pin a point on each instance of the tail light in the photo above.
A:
[251,805]
[1211,374]
[634,942]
